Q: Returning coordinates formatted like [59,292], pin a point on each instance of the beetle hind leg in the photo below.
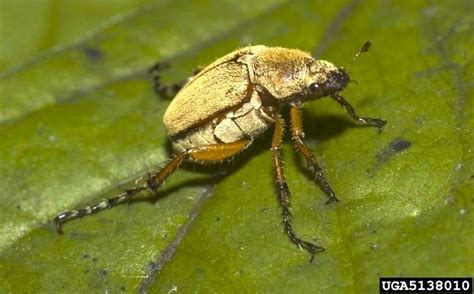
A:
[284,192]
[153,182]
[166,90]
[217,152]
[209,153]
[65,216]
[161,89]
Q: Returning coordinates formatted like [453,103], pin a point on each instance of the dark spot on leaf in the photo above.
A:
[200,272]
[40,130]
[218,219]
[394,147]
[123,288]
[18,207]
[102,273]
[86,255]
[93,54]
[400,145]
[95,259]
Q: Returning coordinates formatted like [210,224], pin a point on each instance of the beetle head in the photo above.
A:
[329,79]
[325,79]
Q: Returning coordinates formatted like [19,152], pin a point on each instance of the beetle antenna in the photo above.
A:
[362,49]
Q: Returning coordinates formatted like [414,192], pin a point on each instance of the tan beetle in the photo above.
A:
[223,108]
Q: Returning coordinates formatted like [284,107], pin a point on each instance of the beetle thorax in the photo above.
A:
[282,72]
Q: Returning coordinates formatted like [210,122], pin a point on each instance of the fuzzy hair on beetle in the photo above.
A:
[224,107]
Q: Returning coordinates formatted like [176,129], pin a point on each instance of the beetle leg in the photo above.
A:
[153,182]
[218,152]
[284,192]
[297,136]
[158,87]
[207,153]
[166,90]
[366,121]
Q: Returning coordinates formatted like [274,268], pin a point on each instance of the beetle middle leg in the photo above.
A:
[297,136]
[206,153]
[284,192]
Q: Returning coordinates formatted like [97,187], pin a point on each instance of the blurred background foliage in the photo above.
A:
[79,122]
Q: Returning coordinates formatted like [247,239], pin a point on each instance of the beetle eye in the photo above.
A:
[314,88]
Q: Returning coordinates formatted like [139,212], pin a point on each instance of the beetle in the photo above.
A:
[221,110]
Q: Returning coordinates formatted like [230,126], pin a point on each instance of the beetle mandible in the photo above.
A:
[224,107]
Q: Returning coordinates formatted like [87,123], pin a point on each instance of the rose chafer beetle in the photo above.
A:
[222,109]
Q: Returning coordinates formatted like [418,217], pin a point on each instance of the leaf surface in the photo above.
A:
[81,122]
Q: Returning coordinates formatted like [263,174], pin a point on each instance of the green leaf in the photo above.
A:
[80,121]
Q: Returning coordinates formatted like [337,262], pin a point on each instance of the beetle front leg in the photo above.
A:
[284,192]
[366,121]
[297,136]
